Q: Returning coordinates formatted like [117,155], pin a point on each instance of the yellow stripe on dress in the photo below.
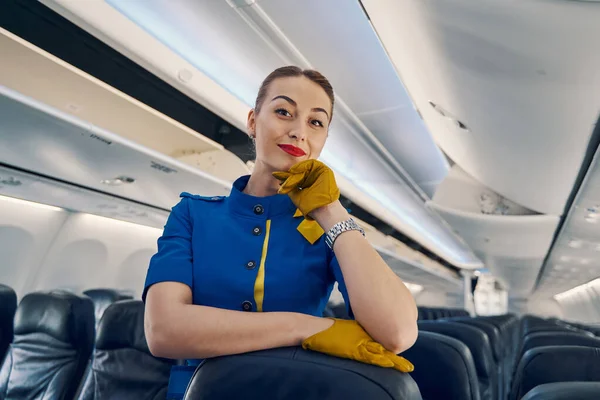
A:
[259,284]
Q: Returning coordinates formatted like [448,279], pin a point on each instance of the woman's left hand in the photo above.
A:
[310,184]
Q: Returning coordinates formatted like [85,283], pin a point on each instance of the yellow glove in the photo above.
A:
[347,339]
[310,184]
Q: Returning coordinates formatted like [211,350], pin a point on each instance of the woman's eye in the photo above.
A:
[317,123]
[283,111]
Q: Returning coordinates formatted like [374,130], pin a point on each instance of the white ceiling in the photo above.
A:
[332,36]
[523,76]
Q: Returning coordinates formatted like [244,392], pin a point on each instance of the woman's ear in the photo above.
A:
[251,124]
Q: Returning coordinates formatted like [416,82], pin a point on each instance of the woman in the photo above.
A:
[254,270]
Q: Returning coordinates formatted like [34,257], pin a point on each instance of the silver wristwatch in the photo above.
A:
[339,228]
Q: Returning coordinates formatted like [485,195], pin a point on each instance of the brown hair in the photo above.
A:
[293,71]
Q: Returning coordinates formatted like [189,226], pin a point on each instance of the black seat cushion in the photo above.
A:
[122,366]
[8,306]
[481,350]
[550,364]
[54,335]
[102,298]
[295,374]
[565,391]
[444,368]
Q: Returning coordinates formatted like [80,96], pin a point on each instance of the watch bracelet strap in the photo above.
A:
[339,228]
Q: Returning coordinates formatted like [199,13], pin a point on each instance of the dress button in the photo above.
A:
[258,209]
[251,265]
[256,231]
[247,306]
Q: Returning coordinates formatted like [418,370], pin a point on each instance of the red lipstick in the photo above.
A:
[292,150]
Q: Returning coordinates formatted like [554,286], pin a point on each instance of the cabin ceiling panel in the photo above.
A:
[340,43]
[507,71]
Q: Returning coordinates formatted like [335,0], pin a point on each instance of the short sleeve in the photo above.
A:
[173,260]
[334,266]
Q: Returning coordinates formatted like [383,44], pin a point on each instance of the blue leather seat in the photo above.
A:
[102,298]
[295,374]
[540,339]
[8,307]
[122,366]
[444,368]
[54,335]
[491,331]
[550,364]
[565,391]
[481,350]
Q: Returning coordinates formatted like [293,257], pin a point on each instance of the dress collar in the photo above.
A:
[258,207]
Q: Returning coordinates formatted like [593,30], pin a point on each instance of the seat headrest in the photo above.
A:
[444,367]
[102,298]
[62,315]
[8,302]
[106,296]
[565,391]
[293,373]
[550,364]
[476,340]
[122,326]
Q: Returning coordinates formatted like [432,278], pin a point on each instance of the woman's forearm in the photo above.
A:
[380,301]
[187,331]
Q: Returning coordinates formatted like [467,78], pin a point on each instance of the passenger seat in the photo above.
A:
[53,339]
[444,368]
[122,366]
[8,306]
[292,373]
[565,391]
[102,298]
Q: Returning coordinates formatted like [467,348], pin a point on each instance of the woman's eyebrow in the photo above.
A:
[292,102]
[319,109]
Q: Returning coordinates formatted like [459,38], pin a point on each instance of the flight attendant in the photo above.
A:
[254,270]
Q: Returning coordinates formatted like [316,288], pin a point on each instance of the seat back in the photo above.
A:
[491,331]
[550,364]
[102,298]
[8,306]
[480,348]
[444,368]
[565,391]
[293,373]
[54,335]
[540,339]
[122,366]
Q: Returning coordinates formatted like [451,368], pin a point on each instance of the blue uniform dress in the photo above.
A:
[244,253]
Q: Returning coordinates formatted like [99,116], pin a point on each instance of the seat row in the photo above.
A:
[505,357]
[430,313]
[63,348]
[56,353]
